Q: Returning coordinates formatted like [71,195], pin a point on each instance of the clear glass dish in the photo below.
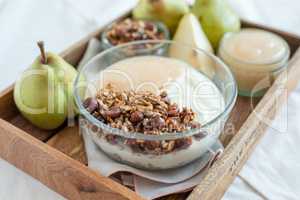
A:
[200,139]
[106,44]
[254,77]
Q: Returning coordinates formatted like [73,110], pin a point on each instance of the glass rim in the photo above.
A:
[166,135]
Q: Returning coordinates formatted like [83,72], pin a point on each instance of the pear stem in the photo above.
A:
[42,50]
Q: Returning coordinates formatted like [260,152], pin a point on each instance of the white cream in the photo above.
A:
[184,85]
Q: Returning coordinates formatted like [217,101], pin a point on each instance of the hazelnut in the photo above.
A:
[136,117]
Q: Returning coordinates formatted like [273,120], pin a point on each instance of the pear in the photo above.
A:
[43,94]
[216,18]
[188,37]
[167,11]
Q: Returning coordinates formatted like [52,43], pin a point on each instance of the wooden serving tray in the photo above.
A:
[57,158]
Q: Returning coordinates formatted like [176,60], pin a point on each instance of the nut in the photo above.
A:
[173,111]
[131,30]
[136,117]
[158,122]
[143,112]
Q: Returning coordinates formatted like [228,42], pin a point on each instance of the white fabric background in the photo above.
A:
[62,22]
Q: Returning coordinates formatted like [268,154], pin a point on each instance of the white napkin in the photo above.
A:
[149,184]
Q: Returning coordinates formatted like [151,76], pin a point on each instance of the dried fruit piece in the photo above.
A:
[113,112]
[90,104]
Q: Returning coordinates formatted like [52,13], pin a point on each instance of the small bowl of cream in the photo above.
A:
[255,57]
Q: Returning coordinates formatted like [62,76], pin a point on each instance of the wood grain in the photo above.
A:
[56,170]
[70,142]
[181,196]
[7,104]
[241,111]
[242,145]
[22,123]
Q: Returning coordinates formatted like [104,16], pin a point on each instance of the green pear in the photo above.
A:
[216,18]
[43,94]
[188,37]
[167,11]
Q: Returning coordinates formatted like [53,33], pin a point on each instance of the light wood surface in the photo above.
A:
[241,111]
[7,105]
[70,142]
[22,123]
[56,170]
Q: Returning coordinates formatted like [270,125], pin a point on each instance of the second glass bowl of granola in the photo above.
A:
[154,110]
[130,30]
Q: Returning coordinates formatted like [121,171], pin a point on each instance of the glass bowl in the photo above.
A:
[219,86]
[106,44]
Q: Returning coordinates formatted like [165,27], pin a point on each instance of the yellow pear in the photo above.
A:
[167,11]
[43,94]
[189,36]
[216,18]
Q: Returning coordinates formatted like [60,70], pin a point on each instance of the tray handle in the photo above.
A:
[56,170]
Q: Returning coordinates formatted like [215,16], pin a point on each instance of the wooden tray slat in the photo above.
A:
[20,122]
[70,142]
[241,111]
[7,104]
[56,170]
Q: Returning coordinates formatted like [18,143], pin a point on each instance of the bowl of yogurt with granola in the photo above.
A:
[151,111]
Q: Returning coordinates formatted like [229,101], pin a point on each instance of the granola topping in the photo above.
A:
[132,30]
[143,112]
